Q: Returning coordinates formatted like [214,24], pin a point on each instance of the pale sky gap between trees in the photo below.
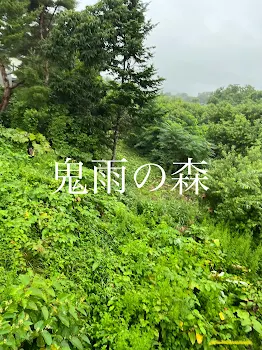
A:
[205,44]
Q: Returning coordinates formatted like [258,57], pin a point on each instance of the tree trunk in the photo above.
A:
[7,89]
[46,72]
[44,31]
[41,23]
[115,139]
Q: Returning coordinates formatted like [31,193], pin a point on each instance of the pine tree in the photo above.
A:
[132,78]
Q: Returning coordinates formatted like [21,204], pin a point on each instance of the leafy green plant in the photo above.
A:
[39,313]
[235,189]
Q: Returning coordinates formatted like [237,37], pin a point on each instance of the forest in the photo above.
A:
[137,269]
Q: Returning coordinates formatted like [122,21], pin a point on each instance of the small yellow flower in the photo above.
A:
[222,317]
[199,338]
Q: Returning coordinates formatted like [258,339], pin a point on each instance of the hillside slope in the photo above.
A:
[100,271]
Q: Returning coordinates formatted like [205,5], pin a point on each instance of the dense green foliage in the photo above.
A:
[235,94]
[134,272]
[60,76]
[175,135]
[143,270]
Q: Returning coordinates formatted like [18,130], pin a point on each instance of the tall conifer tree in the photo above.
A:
[133,81]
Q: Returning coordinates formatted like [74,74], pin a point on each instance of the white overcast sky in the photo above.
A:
[201,45]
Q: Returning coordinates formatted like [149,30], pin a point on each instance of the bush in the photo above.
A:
[37,313]
[235,189]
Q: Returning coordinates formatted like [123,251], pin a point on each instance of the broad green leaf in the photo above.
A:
[45,312]
[217,242]
[72,312]
[192,337]
[248,329]
[37,292]
[65,345]
[257,326]
[57,285]
[50,291]
[95,265]
[9,315]
[25,279]
[32,305]
[40,341]
[77,343]
[11,341]
[243,314]
[86,339]
[21,316]
[47,337]
[39,325]
[5,331]
[82,311]
[64,319]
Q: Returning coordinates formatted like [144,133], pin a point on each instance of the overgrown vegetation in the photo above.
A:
[141,270]
[136,272]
